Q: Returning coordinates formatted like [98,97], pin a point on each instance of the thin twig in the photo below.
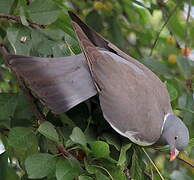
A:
[34,108]
[97,166]
[186,110]
[187,25]
[153,164]
[17,19]
[3,50]
[32,101]
[183,160]
[63,150]
[163,26]
[165,14]
[165,11]
[148,175]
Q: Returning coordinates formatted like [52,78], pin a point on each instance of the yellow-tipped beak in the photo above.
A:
[174,154]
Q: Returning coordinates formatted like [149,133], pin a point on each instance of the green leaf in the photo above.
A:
[67,169]
[3,164]
[97,24]
[89,168]
[49,131]
[43,12]
[156,66]
[191,142]
[61,49]
[23,141]
[78,136]
[19,38]
[136,168]
[112,140]
[23,108]
[67,121]
[53,33]
[111,169]
[6,5]
[11,174]
[177,175]
[186,102]
[40,165]
[73,44]
[63,23]
[100,149]
[41,43]
[21,137]
[23,17]
[184,66]
[8,103]
[123,154]
[172,91]
[115,32]
[101,176]
[190,146]
[82,177]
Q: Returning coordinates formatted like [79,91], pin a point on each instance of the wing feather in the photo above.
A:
[60,83]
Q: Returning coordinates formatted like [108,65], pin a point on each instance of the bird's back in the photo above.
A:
[131,96]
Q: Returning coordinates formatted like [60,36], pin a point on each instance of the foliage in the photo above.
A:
[80,144]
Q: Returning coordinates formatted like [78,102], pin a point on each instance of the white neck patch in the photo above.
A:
[165,118]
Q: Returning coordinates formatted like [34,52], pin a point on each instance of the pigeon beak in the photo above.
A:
[173,154]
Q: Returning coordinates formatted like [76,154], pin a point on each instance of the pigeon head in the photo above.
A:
[175,134]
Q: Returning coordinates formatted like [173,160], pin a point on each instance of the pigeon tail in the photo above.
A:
[60,83]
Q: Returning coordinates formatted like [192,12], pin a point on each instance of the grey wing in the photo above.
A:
[60,83]
[133,102]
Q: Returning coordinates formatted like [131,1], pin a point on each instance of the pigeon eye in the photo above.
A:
[175,137]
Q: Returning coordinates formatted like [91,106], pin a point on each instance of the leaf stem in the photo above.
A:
[186,110]
[97,166]
[18,20]
[163,26]
[187,24]
[185,161]
[153,164]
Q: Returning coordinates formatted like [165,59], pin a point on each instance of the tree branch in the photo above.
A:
[187,25]
[32,101]
[165,12]
[18,20]
[3,50]
[34,108]
[163,26]
[186,162]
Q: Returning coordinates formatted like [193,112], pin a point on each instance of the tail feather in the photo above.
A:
[60,83]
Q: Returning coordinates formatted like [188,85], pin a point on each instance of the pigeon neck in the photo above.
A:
[162,141]
[164,122]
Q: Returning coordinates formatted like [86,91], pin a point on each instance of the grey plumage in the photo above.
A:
[60,83]
[133,99]
[174,133]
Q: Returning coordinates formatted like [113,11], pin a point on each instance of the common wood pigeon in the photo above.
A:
[133,99]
